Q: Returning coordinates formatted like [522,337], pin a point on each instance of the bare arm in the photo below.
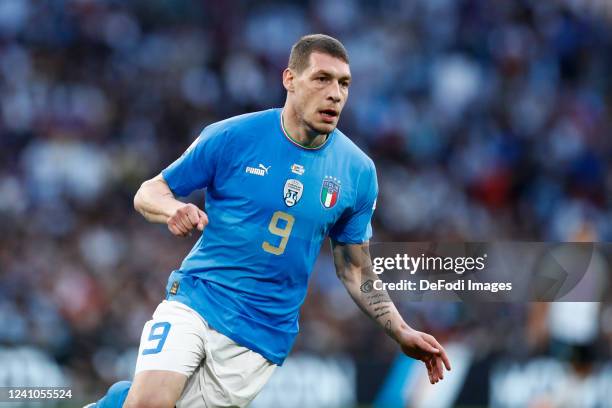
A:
[155,201]
[354,268]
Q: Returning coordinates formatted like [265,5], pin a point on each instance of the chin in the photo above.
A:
[321,127]
[328,129]
[324,128]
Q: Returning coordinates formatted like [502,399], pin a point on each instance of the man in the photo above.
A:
[278,182]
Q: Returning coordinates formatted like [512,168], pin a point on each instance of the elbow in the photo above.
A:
[340,269]
[138,201]
[345,275]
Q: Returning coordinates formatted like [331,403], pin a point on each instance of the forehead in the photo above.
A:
[319,61]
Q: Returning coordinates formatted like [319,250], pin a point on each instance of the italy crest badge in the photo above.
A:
[330,190]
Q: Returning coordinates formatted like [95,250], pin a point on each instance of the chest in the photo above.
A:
[311,186]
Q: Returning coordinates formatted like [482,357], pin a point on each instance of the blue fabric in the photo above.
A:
[247,275]
[392,393]
[116,395]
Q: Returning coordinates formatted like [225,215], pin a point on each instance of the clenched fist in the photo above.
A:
[186,218]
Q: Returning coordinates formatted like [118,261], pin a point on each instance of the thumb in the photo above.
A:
[203,220]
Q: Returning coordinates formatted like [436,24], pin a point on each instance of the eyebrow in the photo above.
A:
[324,72]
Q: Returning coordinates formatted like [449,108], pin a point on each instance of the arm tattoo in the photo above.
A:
[388,328]
[376,298]
[367,286]
[351,262]
[381,314]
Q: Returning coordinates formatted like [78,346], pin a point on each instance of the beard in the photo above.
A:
[319,128]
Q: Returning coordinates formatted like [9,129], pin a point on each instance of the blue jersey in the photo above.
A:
[270,203]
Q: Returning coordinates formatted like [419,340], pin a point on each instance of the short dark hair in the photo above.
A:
[301,50]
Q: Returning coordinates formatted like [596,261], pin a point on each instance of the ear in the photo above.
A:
[288,79]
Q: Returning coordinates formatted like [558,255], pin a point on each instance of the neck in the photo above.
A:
[299,131]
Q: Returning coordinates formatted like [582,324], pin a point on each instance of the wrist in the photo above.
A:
[171,208]
[396,330]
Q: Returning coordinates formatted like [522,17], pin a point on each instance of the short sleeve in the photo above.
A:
[355,227]
[195,169]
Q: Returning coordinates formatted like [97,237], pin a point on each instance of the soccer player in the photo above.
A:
[278,182]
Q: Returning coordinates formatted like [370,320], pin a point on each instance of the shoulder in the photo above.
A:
[358,159]
[237,130]
[245,122]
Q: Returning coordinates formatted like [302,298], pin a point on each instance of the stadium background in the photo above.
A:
[487,121]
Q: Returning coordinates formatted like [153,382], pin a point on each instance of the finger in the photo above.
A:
[184,223]
[443,356]
[439,368]
[174,230]
[445,360]
[432,340]
[193,217]
[434,373]
[179,219]
[425,346]
[429,371]
[435,370]
[203,220]
[176,222]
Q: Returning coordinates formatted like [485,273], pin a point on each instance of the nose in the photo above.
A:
[334,92]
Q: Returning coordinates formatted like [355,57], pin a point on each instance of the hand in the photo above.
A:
[424,347]
[185,219]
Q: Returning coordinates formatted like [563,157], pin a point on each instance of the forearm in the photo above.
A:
[375,303]
[155,201]
[354,268]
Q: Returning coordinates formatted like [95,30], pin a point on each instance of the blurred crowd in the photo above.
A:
[486,121]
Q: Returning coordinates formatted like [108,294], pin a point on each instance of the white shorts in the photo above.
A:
[220,372]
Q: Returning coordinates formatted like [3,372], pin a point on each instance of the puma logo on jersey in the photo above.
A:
[258,171]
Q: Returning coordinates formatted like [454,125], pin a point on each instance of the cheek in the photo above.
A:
[344,99]
[305,100]
[304,94]
[309,99]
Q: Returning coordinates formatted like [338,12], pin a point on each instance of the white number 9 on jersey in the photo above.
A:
[281,232]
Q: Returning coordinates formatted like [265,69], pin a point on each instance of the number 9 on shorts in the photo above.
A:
[157,337]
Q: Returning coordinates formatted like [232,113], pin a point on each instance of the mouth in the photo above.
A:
[329,115]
